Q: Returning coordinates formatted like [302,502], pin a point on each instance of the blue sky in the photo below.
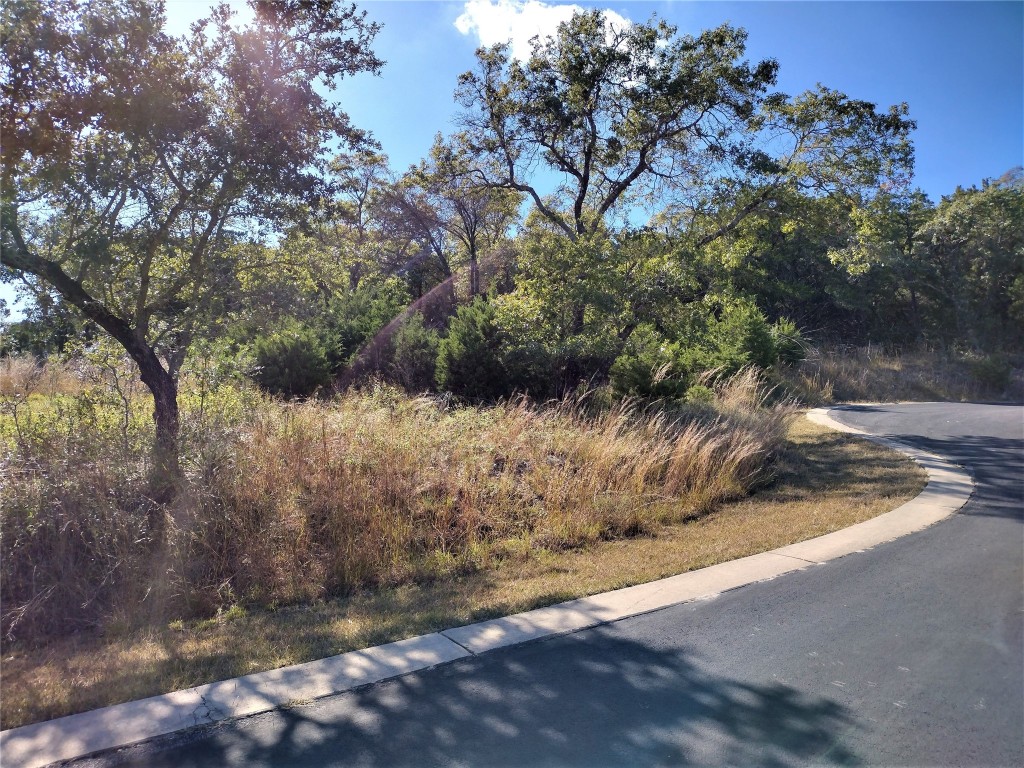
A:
[959,66]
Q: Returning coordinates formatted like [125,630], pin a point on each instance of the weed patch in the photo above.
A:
[877,374]
[823,481]
[299,502]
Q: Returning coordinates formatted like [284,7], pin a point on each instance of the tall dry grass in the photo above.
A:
[25,375]
[296,502]
[881,374]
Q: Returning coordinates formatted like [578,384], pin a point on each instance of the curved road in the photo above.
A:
[908,654]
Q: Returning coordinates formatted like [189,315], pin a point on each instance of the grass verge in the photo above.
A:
[824,481]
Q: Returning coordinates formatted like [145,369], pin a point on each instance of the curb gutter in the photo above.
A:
[31,746]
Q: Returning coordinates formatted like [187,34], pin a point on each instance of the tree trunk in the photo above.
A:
[578,318]
[166,475]
[166,472]
[474,276]
[916,312]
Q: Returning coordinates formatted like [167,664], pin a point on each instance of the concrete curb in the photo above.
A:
[65,738]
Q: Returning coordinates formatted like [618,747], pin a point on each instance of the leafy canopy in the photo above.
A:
[680,122]
[607,108]
[132,160]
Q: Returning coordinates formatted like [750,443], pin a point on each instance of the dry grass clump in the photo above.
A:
[379,489]
[23,375]
[878,374]
[295,502]
[824,481]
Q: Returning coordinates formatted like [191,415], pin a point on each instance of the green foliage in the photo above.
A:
[951,275]
[451,212]
[469,359]
[840,146]
[699,394]
[640,114]
[575,300]
[776,213]
[134,159]
[610,110]
[291,362]
[414,356]
[739,336]
[48,327]
[972,251]
[790,346]
[992,371]
[780,257]
[649,367]
[732,334]
[1015,294]
[573,285]
[527,352]
[355,317]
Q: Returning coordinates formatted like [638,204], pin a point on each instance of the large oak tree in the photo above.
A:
[133,159]
[643,114]
[603,120]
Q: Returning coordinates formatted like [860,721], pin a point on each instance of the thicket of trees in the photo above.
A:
[631,205]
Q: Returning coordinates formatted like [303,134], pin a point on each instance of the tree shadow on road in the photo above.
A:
[997,464]
[591,699]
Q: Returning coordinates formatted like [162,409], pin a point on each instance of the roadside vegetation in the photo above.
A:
[286,503]
[314,529]
[273,398]
[886,374]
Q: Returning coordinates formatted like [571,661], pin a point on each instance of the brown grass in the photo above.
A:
[879,374]
[290,503]
[823,481]
[22,376]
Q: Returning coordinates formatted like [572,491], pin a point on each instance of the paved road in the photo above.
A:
[909,654]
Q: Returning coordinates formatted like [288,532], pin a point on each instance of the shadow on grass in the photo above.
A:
[823,464]
[592,699]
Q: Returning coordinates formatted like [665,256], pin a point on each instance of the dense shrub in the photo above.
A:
[414,355]
[469,360]
[699,394]
[740,336]
[992,372]
[790,346]
[354,318]
[726,335]
[531,369]
[649,367]
[291,362]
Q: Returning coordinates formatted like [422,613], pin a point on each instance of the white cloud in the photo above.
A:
[516,21]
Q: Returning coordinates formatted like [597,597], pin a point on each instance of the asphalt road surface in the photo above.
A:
[908,654]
